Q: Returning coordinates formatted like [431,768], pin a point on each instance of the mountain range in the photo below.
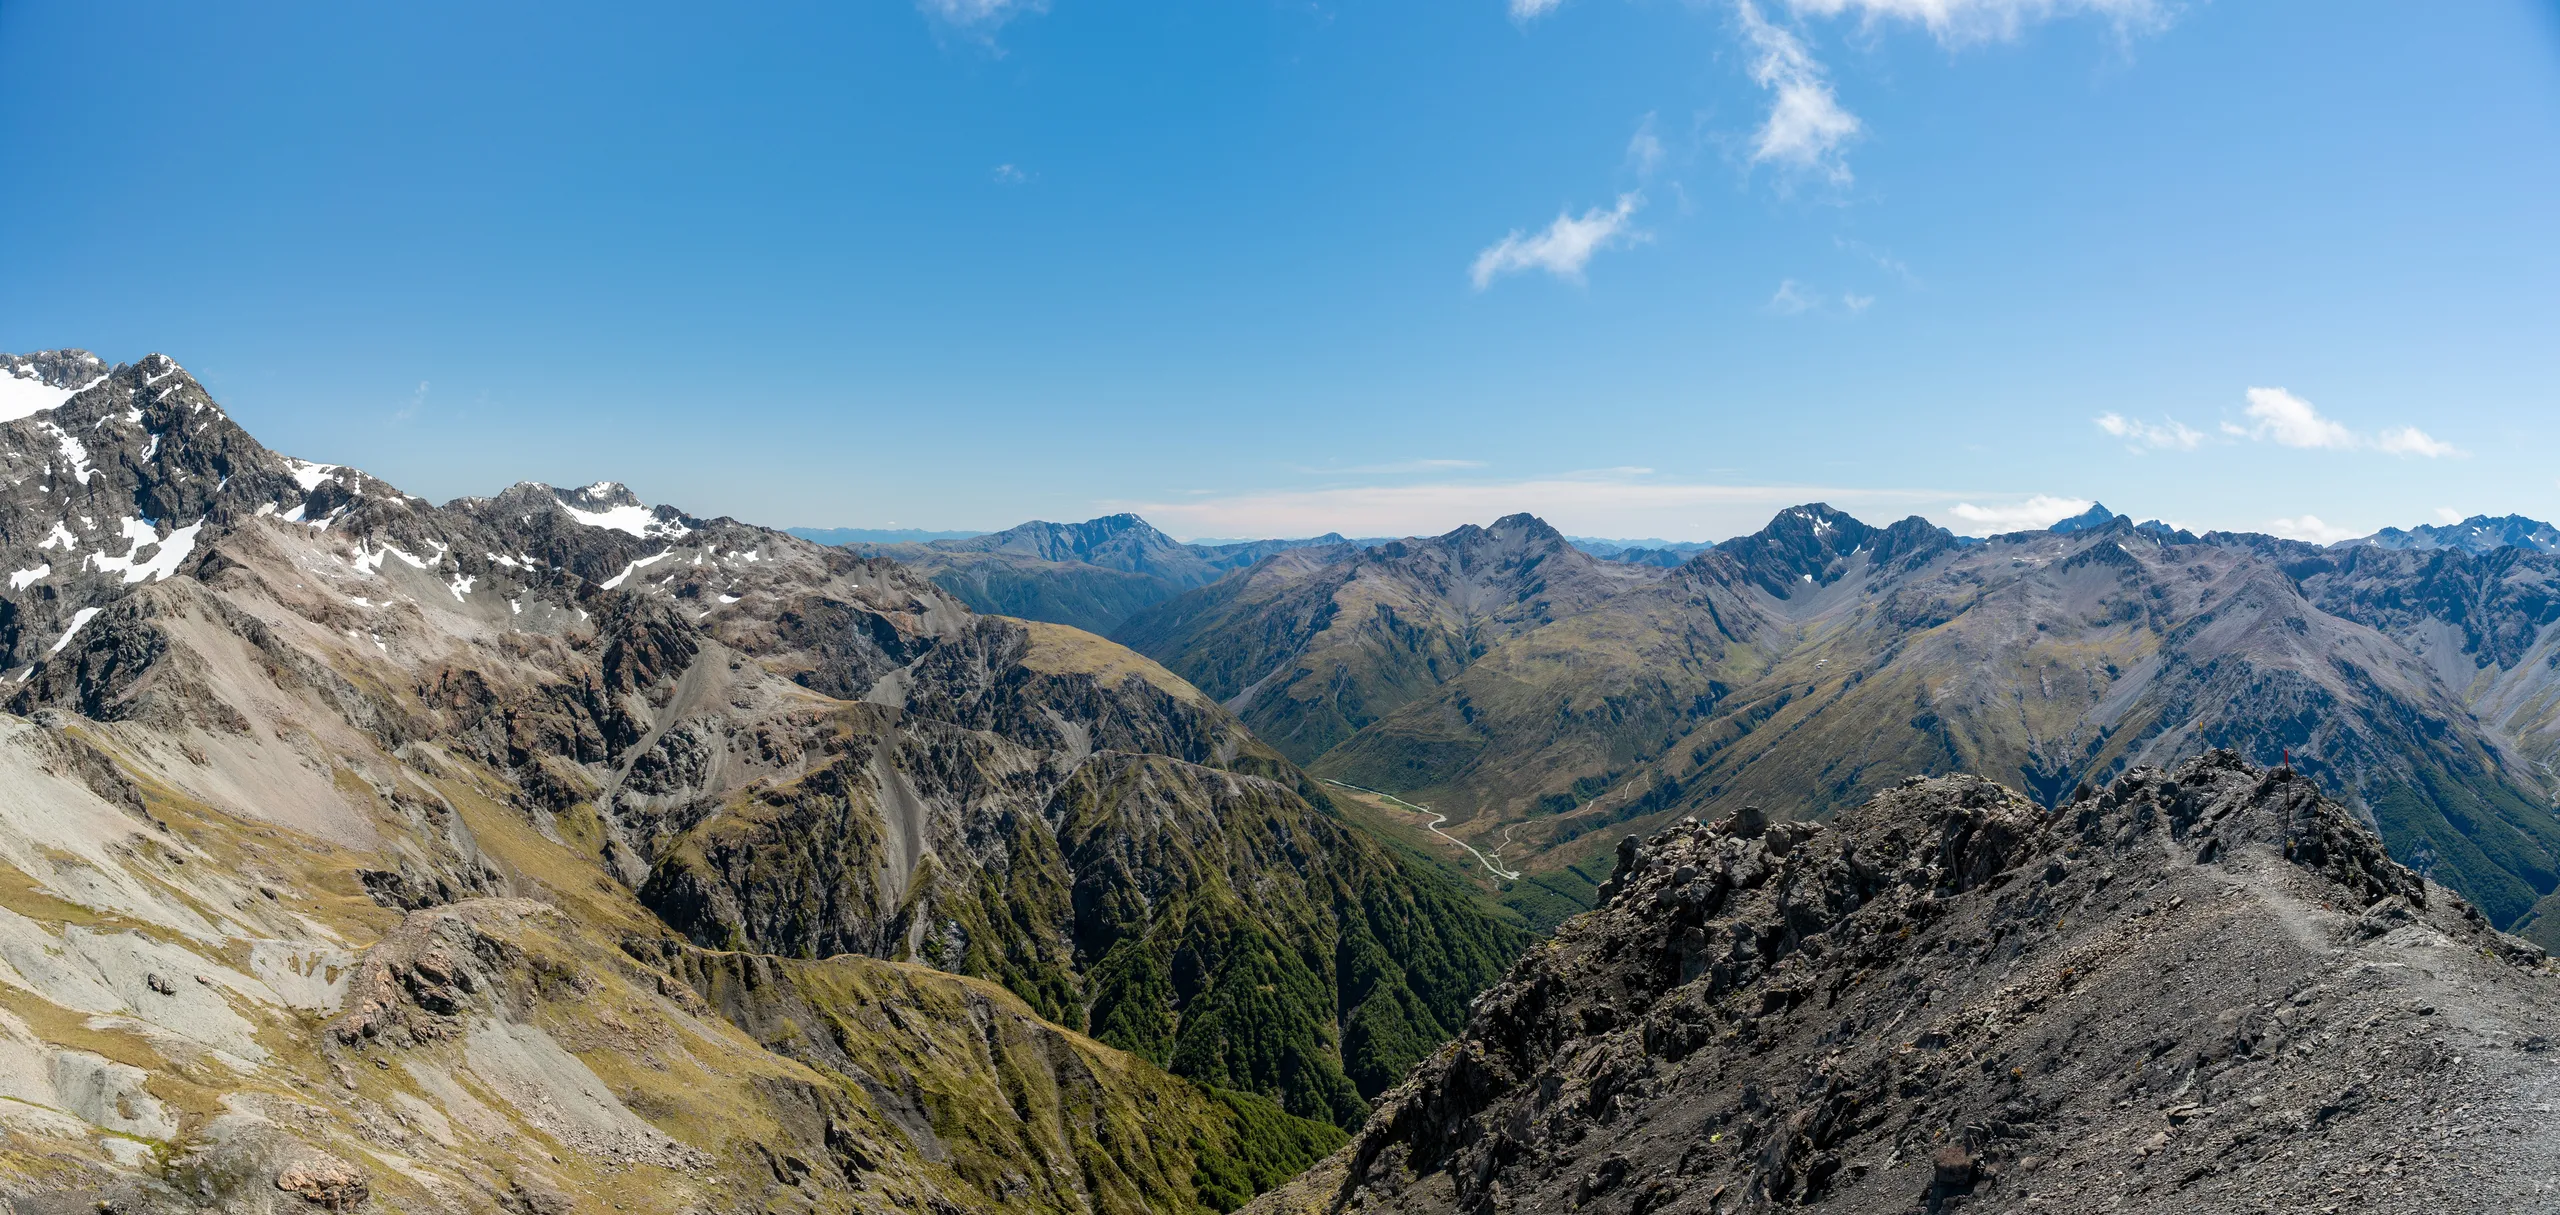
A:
[1539,704]
[521,851]
[558,851]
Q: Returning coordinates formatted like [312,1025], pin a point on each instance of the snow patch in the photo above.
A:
[309,475]
[62,536]
[460,586]
[370,560]
[634,520]
[76,454]
[78,619]
[23,579]
[23,395]
[636,567]
[164,562]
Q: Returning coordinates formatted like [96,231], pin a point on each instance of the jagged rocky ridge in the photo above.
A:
[2204,990]
[263,708]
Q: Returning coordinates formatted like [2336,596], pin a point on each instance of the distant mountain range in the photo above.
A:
[1545,700]
[1091,575]
[2477,534]
[874,535]
[1034,578]
[1538,689]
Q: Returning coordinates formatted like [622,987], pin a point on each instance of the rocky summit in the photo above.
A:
[2200,990]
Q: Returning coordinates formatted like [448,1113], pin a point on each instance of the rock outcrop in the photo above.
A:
[2205,990]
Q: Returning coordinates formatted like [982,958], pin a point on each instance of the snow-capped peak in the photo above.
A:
[612,505]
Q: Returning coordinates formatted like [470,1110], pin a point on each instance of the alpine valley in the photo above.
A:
[558,852]
[551,852]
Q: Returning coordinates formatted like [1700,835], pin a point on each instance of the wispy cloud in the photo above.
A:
[2042,510]
[1531,10]
[2167,435]
[1955,22]
[1398,466]
[1564,248]
[409,409]
[1884,261]
[1806,126]
[1009,175]
[1644,150]
[2311,528]
[1796,299]
[979,16]
[2448,514]
[2279,417]
[2411,441]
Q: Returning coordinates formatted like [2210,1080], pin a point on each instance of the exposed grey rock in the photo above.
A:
[2205,990]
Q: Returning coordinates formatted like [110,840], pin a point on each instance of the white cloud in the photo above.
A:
[1600,502]
[1855,302]
[2283,418]
[1791,300]
[1009,175]
[2310,527]
[1564,248]
[2288,419]
[1531,10]
[2411,441]
[2448,514]
[1806,125]
[1960,21]
[2042,510]
[979,15]
[2171,436]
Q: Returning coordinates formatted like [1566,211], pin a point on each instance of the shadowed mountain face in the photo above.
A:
[1091,575]
[724,866]
[1821,659]
[2205,991]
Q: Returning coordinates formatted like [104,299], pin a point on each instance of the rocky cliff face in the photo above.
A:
[2203,990]
[594,737]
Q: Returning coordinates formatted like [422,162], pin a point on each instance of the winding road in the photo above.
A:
[1491,860]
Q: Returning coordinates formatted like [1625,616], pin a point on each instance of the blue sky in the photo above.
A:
[1647,268]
